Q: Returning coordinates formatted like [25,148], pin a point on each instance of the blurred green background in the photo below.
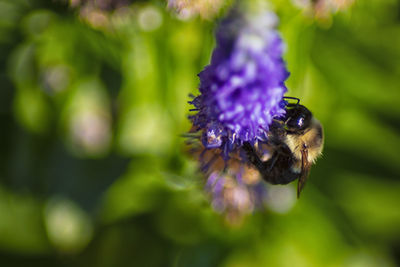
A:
[92,166]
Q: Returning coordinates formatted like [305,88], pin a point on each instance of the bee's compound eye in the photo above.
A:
[298,118]
[295,123]
[300,122]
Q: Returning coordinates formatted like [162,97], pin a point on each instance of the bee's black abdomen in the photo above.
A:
[282,177]
[276,170]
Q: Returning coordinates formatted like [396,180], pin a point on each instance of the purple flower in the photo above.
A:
[241,90]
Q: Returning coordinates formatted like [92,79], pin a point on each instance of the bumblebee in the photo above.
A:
[294,141]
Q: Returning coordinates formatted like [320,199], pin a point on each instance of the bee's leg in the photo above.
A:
[270,163]
[252,155]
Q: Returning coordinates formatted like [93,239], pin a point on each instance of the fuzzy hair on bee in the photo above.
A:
[295,142]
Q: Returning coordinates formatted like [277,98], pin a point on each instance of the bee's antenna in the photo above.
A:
[294,98]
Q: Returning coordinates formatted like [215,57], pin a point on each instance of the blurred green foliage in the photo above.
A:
[92,166]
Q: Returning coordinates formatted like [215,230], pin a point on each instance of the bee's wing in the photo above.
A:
[305,170]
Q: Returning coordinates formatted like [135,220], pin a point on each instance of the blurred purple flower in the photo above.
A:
[186,9]
[322,10]
[241,90]
[101,14]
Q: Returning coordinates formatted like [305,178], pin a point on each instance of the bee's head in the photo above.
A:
[297,118]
